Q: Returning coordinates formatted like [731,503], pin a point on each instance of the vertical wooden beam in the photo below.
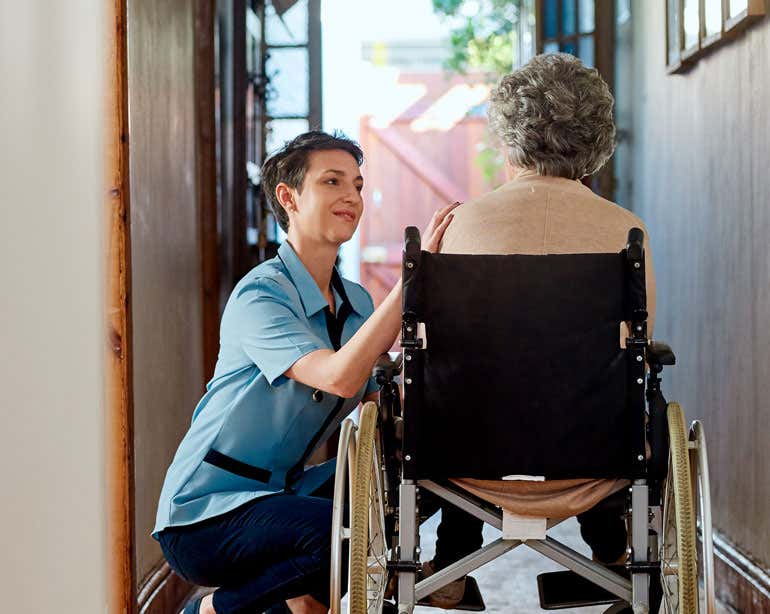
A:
[604,39]
[539,21]
[227,273]
[232,96]
[239,178]
[315,107]
[206,178]
[119,420]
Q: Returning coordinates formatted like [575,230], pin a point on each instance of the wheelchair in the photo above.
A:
[514,365]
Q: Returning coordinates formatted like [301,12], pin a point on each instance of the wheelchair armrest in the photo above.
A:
[386,368]
[660,354]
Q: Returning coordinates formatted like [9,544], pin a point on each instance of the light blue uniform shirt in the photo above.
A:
[254,428]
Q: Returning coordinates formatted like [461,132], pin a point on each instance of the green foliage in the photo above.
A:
[484,40]
[484,36]
[491,162]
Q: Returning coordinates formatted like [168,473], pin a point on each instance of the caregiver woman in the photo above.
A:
[297,345]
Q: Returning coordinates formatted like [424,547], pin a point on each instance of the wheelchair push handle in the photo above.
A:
[412,243]
[635,245]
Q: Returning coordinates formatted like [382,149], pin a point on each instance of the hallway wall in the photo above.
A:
[701,183]
[165,256]
[52,334]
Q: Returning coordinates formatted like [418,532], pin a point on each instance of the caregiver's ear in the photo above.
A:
[285,196]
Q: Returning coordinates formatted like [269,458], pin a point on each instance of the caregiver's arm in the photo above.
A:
[344,372]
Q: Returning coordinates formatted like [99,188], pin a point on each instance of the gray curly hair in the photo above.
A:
[554,115]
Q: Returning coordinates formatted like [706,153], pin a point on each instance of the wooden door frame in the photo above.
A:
[167,590]
[206,179]
[118,359]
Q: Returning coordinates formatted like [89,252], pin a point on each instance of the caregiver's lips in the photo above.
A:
[348,216]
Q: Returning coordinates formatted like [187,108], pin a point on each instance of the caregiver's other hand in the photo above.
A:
[431,237]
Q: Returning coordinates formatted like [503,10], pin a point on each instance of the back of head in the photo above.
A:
[554,116]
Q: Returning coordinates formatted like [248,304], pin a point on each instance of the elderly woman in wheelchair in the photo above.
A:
[531,386]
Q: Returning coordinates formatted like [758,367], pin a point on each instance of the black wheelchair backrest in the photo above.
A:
[522,370]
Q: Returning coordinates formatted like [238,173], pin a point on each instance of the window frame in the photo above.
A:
[685,53]
[731,27]
[261,232]
[560,39]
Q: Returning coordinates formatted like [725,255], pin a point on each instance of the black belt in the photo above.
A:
[228,463]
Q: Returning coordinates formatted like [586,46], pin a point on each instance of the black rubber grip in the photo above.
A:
[411,240]
[636,235]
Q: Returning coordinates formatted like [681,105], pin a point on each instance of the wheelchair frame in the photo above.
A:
[403,500]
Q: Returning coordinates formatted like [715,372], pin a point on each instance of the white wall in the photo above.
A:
[52,514]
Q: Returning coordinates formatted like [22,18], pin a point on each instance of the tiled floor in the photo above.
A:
[509,583]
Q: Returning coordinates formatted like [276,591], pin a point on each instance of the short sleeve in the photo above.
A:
[273,329]
[371,386]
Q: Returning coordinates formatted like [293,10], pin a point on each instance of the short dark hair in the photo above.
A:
[289,164]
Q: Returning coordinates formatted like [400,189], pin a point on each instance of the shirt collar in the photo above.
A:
[312,298]
[527,175]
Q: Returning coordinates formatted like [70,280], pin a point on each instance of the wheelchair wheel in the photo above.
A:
[699,472]
[368,545]
[679,572]
[346,448]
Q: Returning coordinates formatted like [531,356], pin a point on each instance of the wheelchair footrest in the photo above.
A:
[472,600]
[566,589]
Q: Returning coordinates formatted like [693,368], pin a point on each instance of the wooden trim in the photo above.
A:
[755,8]
[233,180]
[707,41]
[742,584]
[731,29]
[688,54]
[119,420]
[206,178]
[164,591]
[741,21]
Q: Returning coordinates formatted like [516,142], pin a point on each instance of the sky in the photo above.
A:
[351,85]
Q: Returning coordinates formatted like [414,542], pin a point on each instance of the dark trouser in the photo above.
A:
[259,554]
[604,529]
[458,533]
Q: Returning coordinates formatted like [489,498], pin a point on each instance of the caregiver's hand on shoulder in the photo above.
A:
[432,235]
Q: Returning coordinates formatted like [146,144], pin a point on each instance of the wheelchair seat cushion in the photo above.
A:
[548,499]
